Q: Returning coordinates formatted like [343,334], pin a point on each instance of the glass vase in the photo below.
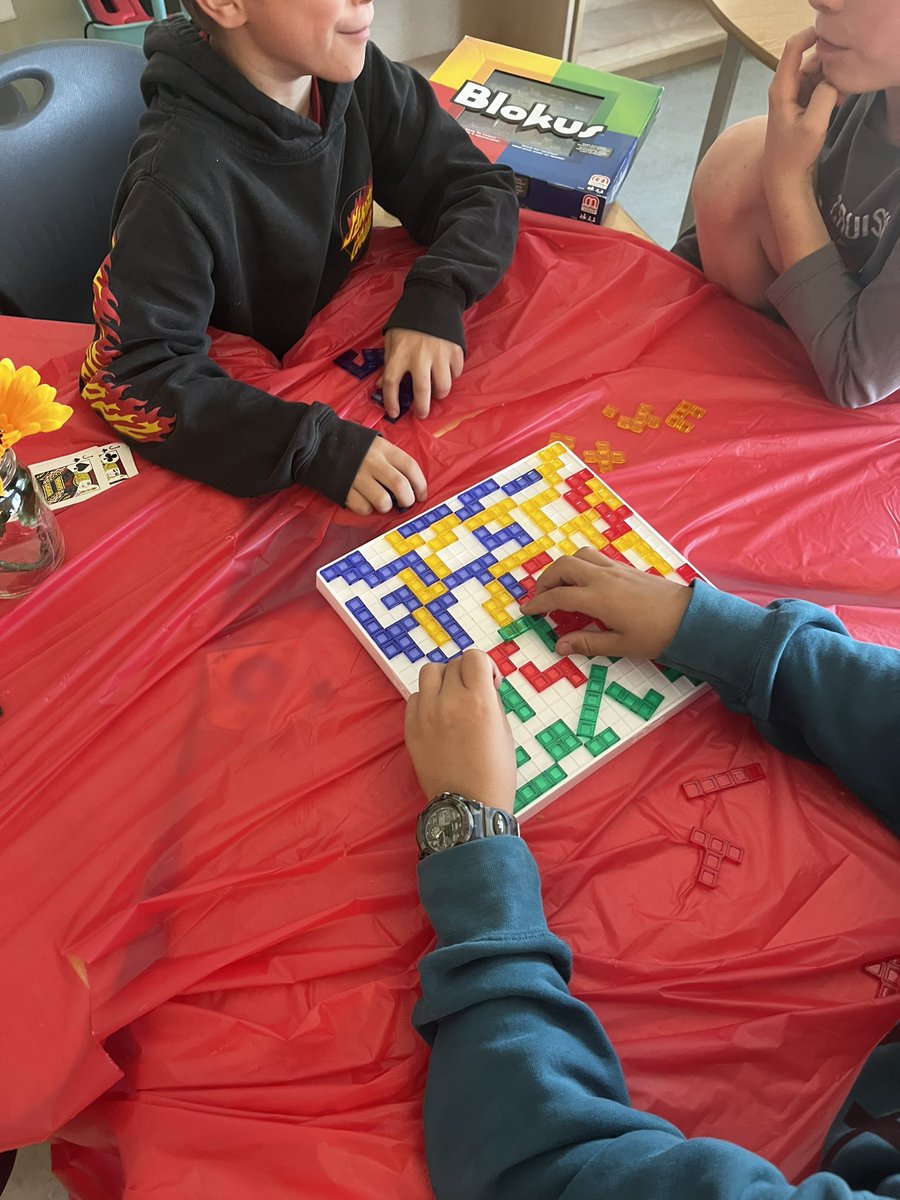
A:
[31,542]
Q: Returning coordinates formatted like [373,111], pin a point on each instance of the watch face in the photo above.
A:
[445,826]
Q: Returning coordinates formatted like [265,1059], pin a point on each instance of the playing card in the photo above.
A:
[117,462]
[70,479]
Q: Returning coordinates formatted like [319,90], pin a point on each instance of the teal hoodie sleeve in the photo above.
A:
[525,1096]
[811,689]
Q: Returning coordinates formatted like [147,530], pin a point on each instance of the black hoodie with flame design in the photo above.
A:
[235,212]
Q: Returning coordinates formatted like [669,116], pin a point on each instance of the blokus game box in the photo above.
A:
[570,133]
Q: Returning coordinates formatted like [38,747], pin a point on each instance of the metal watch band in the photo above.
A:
[484,821]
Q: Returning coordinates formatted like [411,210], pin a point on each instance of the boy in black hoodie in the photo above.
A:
[272,125]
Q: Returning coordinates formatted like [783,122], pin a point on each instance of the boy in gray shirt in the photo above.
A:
[799,210]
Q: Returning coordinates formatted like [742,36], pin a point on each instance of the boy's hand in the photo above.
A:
[800,108]
[457,734]
[432,362]
[387,474]
[641,612]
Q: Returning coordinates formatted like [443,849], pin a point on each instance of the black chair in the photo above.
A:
[61,160]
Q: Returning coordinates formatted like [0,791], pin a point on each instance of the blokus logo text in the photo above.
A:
[477,98]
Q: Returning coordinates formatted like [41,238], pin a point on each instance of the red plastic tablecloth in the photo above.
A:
[210,931]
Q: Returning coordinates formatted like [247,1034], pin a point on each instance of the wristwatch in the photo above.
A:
[452,820]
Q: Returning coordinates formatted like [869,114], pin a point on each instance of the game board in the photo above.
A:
[453,577]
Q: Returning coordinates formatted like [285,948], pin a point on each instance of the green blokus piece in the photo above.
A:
[603,741]
[629,700]
[673,676]
[525,795]
[510,632]
[539,786]
[587,718]
[522,757]
[544,632]
[597,680]
[649,704]
[513,702]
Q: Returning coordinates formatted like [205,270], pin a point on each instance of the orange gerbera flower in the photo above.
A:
[26,405]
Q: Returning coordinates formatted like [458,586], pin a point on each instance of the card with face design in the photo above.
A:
[70,479]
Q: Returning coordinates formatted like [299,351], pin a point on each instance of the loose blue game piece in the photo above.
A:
[405,396]
[347,362]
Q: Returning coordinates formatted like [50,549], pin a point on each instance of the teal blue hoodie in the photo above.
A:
[526,1099]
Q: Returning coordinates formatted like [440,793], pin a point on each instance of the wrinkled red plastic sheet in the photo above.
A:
[210,927]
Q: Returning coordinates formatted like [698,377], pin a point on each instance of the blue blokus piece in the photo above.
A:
[372,361]
[404,395]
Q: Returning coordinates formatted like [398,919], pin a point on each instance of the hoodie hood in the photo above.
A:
[185,74]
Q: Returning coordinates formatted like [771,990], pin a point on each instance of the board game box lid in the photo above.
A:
[550,120]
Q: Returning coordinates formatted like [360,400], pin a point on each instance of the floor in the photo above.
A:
[654,196]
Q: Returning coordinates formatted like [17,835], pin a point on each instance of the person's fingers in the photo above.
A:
[785,85]
[589,554]
[413,472]
[431,679]
[821,105]
[476,670]
[373,493]
[357,503]
[398,485]
[588,643]
[566,598]
[457,361]
[441,380]
[421,383]
[390,388]
[568,571]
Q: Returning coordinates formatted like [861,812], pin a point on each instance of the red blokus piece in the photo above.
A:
[568,622]
[578,502]
[533,565]
[687,572]
[580,477]
[888,975]
[571,672]
[529,586]
[723,780]
[716,850]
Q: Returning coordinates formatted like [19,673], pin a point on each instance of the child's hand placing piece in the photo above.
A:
[641,612]
[457,734]
[432,362]
[387,474]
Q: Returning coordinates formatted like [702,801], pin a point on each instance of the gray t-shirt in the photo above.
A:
[843,301]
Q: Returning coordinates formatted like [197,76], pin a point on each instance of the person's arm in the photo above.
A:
[525,1097]
[148,373]
[428,173]
[448,196]
[810,688]
[848,331]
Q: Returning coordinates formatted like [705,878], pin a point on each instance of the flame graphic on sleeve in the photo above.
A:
[129,417]
[356,220]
